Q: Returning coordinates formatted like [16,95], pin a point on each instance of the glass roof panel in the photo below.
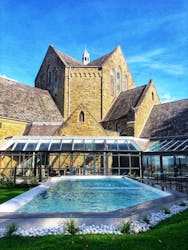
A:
[69,144]
[174,145]
[131,146]
[166,145]
[78,145]
[44,145]
[19,146]
[55,145]
[100,145]
[122,144]
[89,145]
[111,144]
[66,145]
[183,145]
[169,145]
[31,146]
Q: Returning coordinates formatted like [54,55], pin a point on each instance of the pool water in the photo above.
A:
[92,195]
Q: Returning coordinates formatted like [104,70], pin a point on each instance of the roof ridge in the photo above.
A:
[23,85]
[164,103]
[128,90]
[124,102]
[102,59]
[145,88]
[61,54]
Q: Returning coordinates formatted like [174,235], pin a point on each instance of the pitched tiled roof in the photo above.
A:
[123,103]
[22,102]
[167,119]
[42,129]
[67,60]
[99,61]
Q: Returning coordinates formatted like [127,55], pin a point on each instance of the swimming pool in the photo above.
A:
[102,194]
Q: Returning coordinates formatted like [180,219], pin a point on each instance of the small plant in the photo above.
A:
[71,227]
[7,182]
[125,227]
[166,210]
[146,219]
[182,204]
[11,229]
[34,181]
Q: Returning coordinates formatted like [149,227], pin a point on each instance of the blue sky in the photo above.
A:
[152,34]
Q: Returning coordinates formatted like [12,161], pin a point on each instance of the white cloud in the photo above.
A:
[145,57]
[166,97]
[5,76]
[154,60]
[172,69]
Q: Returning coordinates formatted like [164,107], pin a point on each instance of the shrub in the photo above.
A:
[34,181]
[146,219]
[7,182]
[182,204]
[71,227]
[10,230]
[125,227]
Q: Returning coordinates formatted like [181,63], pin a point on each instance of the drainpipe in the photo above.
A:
[69,70]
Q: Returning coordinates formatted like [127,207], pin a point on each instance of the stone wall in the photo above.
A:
[84,85]
[52,60]
[144,107]
[11,128]
[116,60]
[74,127]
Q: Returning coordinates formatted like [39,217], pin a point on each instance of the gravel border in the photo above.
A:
[136,226]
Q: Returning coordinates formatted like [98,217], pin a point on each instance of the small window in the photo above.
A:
[81,116]
[112,82]
[124,83]
[153,97]
[49,77]
[118,127]
[118,79]
[109,127]
[55,82]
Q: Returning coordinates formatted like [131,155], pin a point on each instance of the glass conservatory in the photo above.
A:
[55,156]
[168,157]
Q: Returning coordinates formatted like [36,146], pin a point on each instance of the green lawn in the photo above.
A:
[7,194]
[170,234]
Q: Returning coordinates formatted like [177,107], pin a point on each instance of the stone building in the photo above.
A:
[71,120]
[88,98]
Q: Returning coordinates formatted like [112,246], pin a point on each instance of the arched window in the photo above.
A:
[124,83]
[152,95]
[49,80]
[55,81]
[112,82]
[81,116]
[118,79]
